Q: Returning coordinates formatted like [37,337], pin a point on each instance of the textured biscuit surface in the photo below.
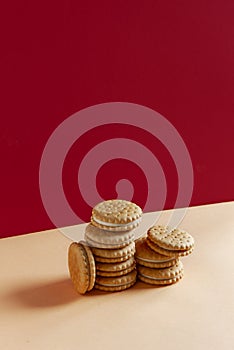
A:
[119,266]
[114,284]
[117,281]
[116,215]
[165,273]
[162,281]
[114,253]
[167,252]
[92,267]
[81,267]
[116,273]
[114,260]
[114,288]
[174,239]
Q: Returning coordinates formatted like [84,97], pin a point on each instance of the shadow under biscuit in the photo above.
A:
[44,295]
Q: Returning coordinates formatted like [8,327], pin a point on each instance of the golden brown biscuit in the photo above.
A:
[167,252]
[81,267]
[116,215]
[161,282]
[114,253]
[116,273]
[162,276]
[145,256]
[119,266]
[113,260]
[113,284]
[168,239]
[170,242]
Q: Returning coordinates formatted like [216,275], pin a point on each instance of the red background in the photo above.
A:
[58,57]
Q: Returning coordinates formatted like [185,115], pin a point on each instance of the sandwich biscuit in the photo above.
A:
[115,284]
[103,239]
[145,256]
[81,267]
[169,242]
[116,215]
[163,276]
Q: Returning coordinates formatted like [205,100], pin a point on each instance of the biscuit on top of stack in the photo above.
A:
[110,245]
[158,255]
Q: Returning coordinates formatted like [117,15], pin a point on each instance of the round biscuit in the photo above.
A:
[107,246]
[114,253]
[156,265]
[116,215]
[116,281]
[119,266]
[116,273]
[146,255]
[161,282]
[81,265]
[114,260]
[165,273]
[170,253]
[171,239]
[115,288]
[105,239]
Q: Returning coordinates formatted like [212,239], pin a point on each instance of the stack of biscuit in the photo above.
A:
[109,246]
[158,255]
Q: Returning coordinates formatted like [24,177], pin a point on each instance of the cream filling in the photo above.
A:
[155,261]
[109,224]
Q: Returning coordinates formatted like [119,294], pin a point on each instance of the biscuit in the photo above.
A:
[168,242]
[100,238]
[162,281]
[107,267]
[164,273]
[81,266]
[167,252]
[145,256]
[114,288]
[116,273]
[114,284]
[162,276]
[116,215]
[114,260]
[114,253]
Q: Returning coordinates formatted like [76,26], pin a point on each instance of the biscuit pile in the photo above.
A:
[105,260]
[158,255]
[110,260]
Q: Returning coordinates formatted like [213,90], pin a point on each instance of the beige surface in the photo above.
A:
[40,310]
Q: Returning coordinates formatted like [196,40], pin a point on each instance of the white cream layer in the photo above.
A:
[158,279]
[109,224]
[155,261]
